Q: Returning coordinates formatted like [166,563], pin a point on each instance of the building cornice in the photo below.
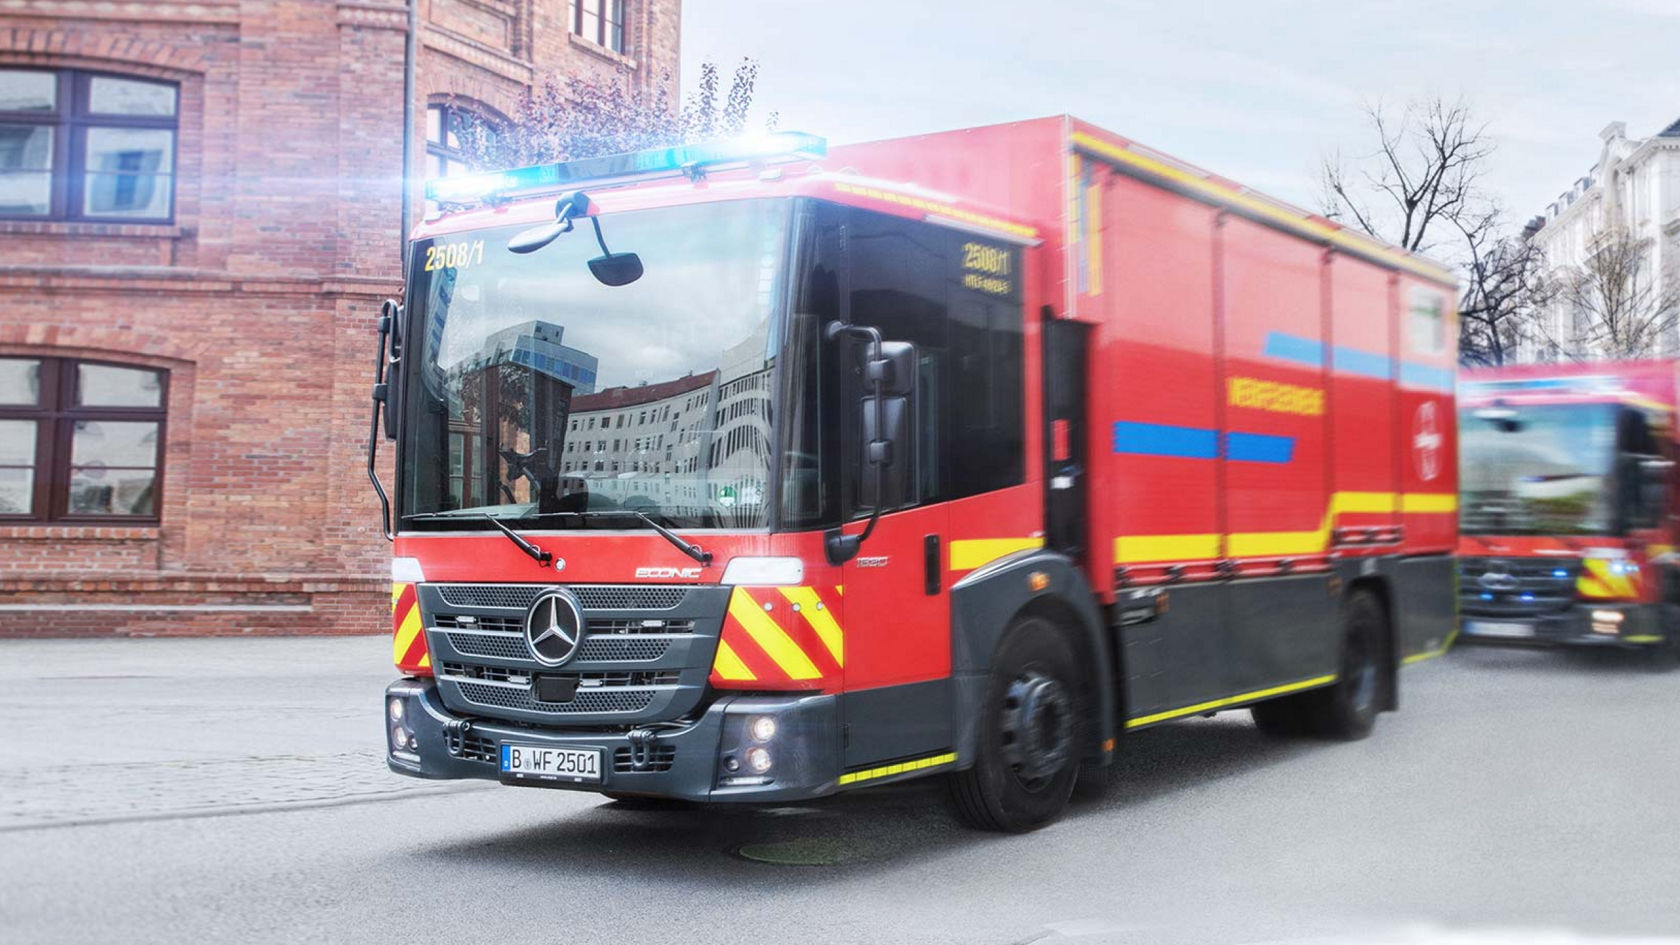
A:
[133,11]
[131,279]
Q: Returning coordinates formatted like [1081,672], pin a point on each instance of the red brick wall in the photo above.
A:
[259,299]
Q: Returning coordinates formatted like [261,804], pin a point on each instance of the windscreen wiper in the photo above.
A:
[686,547]
[537,554]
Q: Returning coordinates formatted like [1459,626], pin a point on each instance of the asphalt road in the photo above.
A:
[233,790]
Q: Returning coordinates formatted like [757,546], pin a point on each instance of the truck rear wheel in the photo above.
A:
[1031,734]
[1347,709]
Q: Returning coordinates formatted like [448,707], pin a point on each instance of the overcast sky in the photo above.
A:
[1252,89]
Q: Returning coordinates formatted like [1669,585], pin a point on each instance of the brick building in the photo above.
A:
[199,216]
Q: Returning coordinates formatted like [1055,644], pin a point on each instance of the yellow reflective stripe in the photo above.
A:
[396,595]
[1425,655]
[729,665]
[1093,239]
[1596,580]
[407,630]
[425,660]
[1231,700]
[1277,544]
[1428,502]
[771,638]
[1370,502]
[970,553]
[1258,206]
[821,620]
[884,771]
[1643,638]
[1132,548]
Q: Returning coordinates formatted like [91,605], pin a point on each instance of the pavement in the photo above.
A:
[234,790]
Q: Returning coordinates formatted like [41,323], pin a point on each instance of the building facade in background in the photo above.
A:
[1634,189]
[200,208]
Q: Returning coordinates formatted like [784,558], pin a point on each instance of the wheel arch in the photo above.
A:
[988,601]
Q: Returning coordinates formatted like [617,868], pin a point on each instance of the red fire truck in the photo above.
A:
[1565,533]
[756,472]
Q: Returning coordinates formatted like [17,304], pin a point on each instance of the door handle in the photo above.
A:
[930,564]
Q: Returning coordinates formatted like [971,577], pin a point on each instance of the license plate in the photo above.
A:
[539,763]
[1498,628]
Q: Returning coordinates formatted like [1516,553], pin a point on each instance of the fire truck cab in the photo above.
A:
[756,472]
[1567,528]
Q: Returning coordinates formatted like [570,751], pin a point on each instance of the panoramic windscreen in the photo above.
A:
[535,388]
[1536,469]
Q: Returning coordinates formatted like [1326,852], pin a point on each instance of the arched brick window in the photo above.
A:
[78,145]
[80,440]
[449,128]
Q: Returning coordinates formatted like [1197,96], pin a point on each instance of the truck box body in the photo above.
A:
[1188,420]
[1269,393]
[1567,534]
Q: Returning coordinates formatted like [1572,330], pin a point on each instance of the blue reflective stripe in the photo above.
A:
[1159,439]
[1355,361]
[1426,375]
[1259,447]
[1286,347]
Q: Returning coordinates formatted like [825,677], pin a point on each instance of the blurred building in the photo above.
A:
[200,208]
[1634,188]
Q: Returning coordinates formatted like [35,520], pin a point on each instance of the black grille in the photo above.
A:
[657,758]
[586,701]
[606,650]
[492,624]
[471,746]
[1516,587]
[586,680]
[493,645]
[641,626]
[591,596]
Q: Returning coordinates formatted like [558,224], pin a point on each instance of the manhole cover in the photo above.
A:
[812,851]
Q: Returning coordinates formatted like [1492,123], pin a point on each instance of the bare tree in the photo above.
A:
[1503,290]
[1616,303]
[1422,180]
[564,119]
[1419,187]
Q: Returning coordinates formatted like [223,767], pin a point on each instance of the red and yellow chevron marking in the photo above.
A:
[1598,580]
[408,638]
[780,638]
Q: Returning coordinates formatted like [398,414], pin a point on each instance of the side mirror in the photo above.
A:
[388,388]
[616,269]
[888,434]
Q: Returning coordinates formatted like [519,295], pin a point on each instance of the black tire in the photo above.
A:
[1031,736]
[1280,718]
[1347,710]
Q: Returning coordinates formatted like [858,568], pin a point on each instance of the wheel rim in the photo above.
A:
[1361,668]
[1036,728]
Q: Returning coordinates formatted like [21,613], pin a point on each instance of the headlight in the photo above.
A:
[762,728]
[395,709]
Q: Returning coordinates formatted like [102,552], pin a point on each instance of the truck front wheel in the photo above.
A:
[1032,727]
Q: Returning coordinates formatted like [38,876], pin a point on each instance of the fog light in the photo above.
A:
[395,708]
[731,765]
[762,728]
[399,738]
[1607,621]
[758,760]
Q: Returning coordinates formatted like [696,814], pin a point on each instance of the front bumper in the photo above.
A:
[683,762]
[1640,626]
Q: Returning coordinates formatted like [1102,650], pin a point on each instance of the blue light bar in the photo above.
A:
[785,145]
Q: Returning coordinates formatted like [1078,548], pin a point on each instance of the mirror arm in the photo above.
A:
[388,319]
[838,546]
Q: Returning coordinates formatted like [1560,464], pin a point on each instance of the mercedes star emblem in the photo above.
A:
[554,627]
